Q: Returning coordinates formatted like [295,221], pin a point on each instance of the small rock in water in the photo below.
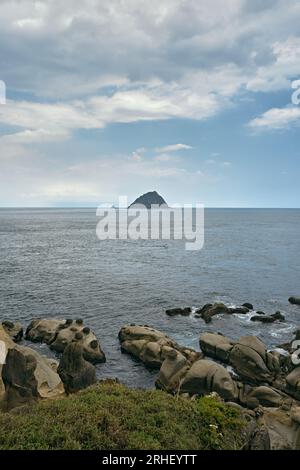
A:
[210,310]
[268,318]
[240,310]
[294,300]
[172,312]
[248,305]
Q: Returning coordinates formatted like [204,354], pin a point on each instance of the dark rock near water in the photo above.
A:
[179,311]
[269,318]
[19,380]
[149,199]
[239,310]
[210,310]
[294,300]
[75,372]
[248,305]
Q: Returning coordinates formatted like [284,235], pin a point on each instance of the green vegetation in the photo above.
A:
[110,416]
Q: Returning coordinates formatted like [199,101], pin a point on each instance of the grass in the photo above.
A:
[110,416]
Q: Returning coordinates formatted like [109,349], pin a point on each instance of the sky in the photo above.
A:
[191,98]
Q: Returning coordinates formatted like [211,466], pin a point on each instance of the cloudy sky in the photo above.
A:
[118,97]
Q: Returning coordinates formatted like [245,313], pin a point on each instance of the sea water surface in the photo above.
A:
[53,265]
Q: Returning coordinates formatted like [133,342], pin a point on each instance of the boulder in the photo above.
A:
[75,372]
[268,318]
[239,310]
[294,300]
[14,330]
[210,310]
[264,396]
[26,375]
[205,377]
[59,333]
[44,330]
[150,345]
[19,380]
[248,306]
[173,369]
[284,431]
[293,383]
[256,436]
[216,346]
[5,343]
[252,362]
[179,311]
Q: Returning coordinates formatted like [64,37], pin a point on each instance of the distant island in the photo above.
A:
[149,199]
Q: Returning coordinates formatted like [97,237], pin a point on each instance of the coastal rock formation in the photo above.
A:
[252,362]
[75,372]
[199,378]
[44,330]
[293,383]
[172,312]
[294,300]
[205,377]
[149,199]
[248,305]
[210,310]
[283,427]
[150,345]
[216,346]
[26,375]
[59,333]
[262,396]
[239,310]
[269,318]
[14,330]
[248,356]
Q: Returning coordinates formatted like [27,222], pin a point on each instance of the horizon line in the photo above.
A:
[96,207]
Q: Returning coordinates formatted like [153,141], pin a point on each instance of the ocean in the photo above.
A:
[53,265]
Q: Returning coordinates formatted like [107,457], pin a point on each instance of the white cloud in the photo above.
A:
[173,148]
[276,119]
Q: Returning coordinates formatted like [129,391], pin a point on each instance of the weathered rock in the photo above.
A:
[252,362]
[293,382]
[179,311]
[207,376]
[264,396]
[210,310]
[14,330]
[59,333]
[268,318]
[248,356]
[75,372]
[173,369]
[150,345]
[43,330]
[239,310]
[248,306]
[216,346]
[5,343]
[294,300]
[26,375]
[284,432]
[19,380]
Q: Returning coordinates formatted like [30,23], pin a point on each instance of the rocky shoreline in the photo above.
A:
[263,385]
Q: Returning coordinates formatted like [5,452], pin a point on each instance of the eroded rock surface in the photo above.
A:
[58,334]
[75,372]
[26,375]
[151,346]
